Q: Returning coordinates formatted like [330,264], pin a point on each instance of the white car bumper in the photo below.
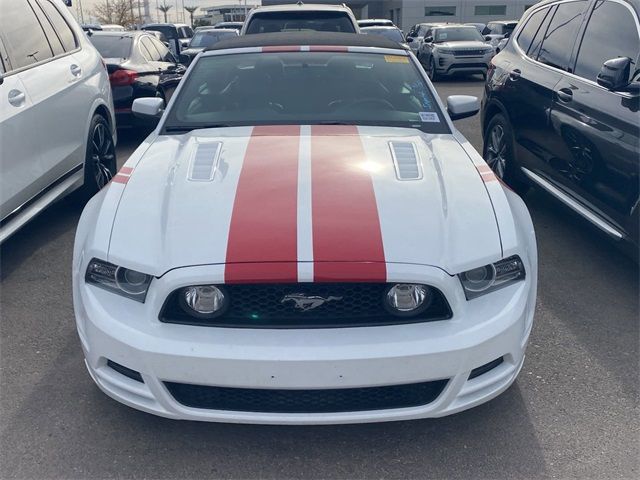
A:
[130,334]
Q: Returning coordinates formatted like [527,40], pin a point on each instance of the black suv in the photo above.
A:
[560,109]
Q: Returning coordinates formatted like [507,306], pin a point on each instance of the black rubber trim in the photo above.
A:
[476,372]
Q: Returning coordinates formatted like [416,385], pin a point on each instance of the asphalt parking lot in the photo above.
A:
[573,413]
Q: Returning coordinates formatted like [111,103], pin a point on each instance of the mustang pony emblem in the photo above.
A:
[307,302]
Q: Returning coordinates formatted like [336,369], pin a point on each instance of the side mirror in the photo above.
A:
[184,59]
[487,38]
[149,108]
[428,39]
[614,74]
[409,39]
[462,106]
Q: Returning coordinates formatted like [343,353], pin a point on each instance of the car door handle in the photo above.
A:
[76,71]
[515,74]
[564,95]
[16,98]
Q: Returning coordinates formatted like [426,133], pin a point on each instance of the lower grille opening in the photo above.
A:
[306,401]
[476,372]
[127,372]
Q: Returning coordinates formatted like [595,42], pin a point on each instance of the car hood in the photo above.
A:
[191,52]
[462,45]
[303,194]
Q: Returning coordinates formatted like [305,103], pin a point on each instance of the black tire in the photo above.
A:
[498,152]
[431,72]
[100,160]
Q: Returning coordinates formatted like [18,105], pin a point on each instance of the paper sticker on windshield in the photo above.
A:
[430,117]
[396,59]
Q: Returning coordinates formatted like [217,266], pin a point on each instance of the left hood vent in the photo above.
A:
[406,160]
[205,162]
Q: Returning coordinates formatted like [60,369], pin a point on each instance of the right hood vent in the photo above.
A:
[406,160]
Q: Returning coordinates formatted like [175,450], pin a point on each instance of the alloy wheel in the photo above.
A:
[102,155]
[496,151]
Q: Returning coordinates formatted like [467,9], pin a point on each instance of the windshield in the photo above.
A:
[304,88]
[458,34]
[207,38]
[390,33]
[112,46]
[319,21]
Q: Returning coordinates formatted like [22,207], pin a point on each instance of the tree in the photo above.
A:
[191,10]
[164,9]
[119,12]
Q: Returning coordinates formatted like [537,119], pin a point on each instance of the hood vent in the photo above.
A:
[205,162]
[406,160]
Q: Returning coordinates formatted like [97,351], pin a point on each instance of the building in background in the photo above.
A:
[406,13]
[235,12]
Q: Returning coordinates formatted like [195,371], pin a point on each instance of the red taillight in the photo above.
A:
[120,78]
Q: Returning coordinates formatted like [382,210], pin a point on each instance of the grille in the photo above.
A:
[347,305]
[306,401]
[468,53]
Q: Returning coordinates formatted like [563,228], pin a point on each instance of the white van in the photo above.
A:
[57,125]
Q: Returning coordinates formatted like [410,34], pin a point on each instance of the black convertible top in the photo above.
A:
[305,38]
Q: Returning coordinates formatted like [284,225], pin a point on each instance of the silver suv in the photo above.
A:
[451,49]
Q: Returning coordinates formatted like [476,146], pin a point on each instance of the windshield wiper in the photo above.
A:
[185,128]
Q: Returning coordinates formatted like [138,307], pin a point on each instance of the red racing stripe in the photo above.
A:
[123,175]
[347,241]
[262,244]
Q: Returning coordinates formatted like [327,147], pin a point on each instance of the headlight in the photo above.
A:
[445,51]
[120,280]
[203,301]
[407,299]
[482,280]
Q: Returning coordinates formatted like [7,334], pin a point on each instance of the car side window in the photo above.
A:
[49,32]
[412,31]
[529,31]
[165,53]
[65,34]
[23,49]
[153,51]
[561,35]
[145,51]
[598,43]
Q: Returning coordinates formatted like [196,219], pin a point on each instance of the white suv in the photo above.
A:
[57,125]
[300,17]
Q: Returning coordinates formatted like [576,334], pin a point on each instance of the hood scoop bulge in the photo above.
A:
[406,160]
[204,161]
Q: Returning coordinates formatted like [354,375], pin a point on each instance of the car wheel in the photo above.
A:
[433,74]
[498,152]
[100,161]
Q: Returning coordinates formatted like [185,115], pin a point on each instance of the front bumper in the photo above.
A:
[126,332]
[452,64]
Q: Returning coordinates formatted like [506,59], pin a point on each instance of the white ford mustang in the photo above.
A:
[305,238]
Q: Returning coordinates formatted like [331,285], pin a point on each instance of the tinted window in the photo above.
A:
[153,51]
[440,11]
[206,38]
[529,31]
[23,48]
[561,34]
[52,36]
[457,34]
[168,31]
[274,88]
[60,25]
[296,21]
[391,33]
[600,45]
[165,53]
[111,46]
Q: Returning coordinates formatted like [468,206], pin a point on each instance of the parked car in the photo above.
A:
[177,34]
[416,34]
[280,257]
[112,28]
[205,38]
[229,25]
[392,33]
[454,49]
[57,124]
[375,22]
[496,31]
[139,65]
[561,110]
[300,17]
[479,26]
